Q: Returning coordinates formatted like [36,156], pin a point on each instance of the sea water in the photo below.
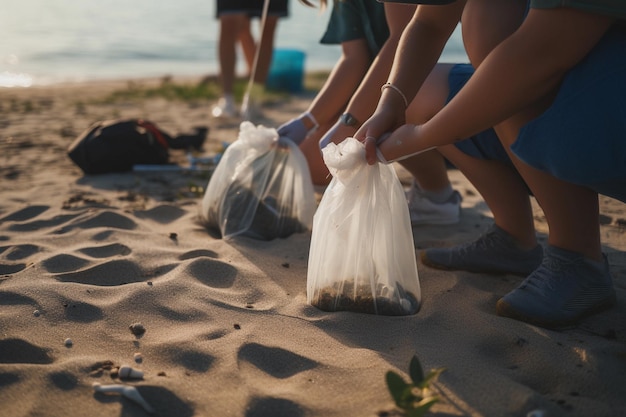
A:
[51,41]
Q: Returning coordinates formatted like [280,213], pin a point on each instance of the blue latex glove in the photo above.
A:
[294,130]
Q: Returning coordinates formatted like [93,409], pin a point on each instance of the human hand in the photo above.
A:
[384,121]
[406,141]
[294,130]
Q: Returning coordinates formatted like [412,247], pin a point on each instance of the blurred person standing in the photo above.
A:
[234,17]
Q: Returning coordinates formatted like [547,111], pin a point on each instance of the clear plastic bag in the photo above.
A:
[261,188]
[362,257]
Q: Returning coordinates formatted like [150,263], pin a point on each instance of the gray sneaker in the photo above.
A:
[495,252]
[564,289]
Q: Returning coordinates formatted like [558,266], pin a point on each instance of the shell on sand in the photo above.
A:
[127,372]
[127,391]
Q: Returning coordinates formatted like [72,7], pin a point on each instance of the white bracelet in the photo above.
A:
[309,116]
[397,90]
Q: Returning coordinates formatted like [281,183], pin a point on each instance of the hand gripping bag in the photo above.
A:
[362,257]
[261,188]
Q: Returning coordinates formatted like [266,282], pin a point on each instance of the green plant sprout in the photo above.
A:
[413,398]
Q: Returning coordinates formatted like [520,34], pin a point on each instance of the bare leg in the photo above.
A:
[486,23]
[504,192]
[571,211]
[501,187]
[429,168]
[248,46]
[230,28]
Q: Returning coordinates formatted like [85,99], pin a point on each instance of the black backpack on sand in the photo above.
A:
[117,145]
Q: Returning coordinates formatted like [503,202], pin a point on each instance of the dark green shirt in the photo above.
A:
[614,8]
[357,19]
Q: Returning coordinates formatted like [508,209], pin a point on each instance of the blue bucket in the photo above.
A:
[286,71]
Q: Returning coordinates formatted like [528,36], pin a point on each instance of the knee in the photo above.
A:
[486,23]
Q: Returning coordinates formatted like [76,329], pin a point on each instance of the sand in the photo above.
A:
[228,331]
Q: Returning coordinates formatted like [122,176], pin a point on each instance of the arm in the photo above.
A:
[417,53]
[334,94]
[363,101]
[524,70]
[342,81]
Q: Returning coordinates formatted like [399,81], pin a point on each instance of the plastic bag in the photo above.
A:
[362,257]
[261,188]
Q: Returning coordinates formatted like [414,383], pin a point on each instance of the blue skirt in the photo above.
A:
[581,137]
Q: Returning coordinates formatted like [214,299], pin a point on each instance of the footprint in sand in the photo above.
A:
[24,214]
[198,253]
[215,274]
[12,298]
[103,219]
[114,272]
[277,362]
[78,311]
[185,315]
[37,225]
[68,263]
[191,359]
[18,252]
[21,351]
[63,263]
[162,214]
[8,378]
[15,253]
[65,381]
[107,251]
[275,407]
[8,269]
[226,291]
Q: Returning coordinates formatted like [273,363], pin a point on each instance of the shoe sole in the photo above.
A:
[434,222]
[503,309]
[435,265]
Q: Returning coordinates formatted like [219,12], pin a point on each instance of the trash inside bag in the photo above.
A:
[261,188]
[362,257]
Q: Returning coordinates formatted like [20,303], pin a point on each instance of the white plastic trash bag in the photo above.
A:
[261,188]
[362,257]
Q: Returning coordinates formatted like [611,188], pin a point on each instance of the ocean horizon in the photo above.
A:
[47,42]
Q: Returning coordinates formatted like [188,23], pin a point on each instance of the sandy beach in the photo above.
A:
[86,259]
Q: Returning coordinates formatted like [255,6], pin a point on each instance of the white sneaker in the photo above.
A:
[224,108]
[425,211]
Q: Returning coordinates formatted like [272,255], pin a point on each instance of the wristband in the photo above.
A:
[397,90]
[309,116]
